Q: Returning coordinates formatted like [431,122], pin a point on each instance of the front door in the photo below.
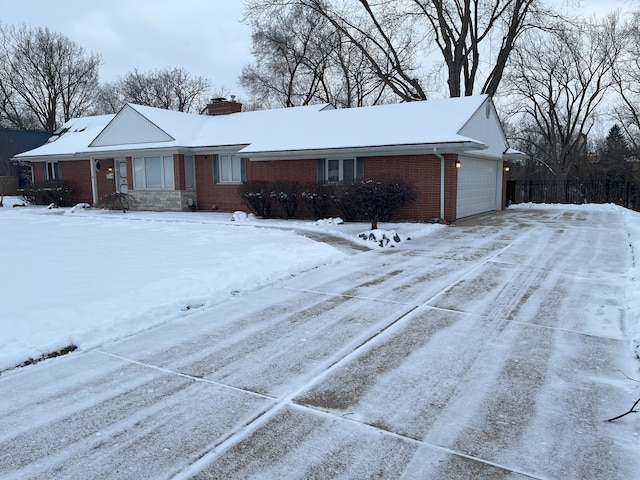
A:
[121,175]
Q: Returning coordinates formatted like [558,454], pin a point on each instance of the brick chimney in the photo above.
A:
[222,106]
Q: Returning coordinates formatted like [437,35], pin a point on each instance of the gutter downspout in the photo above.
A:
[94,182]
[435,152]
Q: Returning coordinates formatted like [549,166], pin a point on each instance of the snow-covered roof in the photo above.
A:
[75,134]
[433,122]
[270,133]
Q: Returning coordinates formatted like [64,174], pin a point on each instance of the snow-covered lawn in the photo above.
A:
[85,277]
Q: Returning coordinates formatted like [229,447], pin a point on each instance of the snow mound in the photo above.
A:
[242,217]
[329,221]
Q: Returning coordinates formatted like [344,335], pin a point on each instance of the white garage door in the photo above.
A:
[477,186]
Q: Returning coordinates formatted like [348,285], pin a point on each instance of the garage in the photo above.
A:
[477,186]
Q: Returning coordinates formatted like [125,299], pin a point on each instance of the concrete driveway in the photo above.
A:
[488,350]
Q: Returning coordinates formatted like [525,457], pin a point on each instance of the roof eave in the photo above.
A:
[370,151]
[514,156]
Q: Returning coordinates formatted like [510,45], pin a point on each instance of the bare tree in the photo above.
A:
[473,38]
[627,79]
[45,78]
[560,80]
[288,67]
[168,88]
[301,59]
[109,98]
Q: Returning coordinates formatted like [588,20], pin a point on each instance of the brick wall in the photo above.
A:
[78,172]
[292,170]
[424,172]
[223,108]
[178,171]
[212,196]
[301,171]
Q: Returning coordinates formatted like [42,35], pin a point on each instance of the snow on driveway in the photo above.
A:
[490,349]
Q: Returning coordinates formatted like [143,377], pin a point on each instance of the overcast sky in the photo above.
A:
[205,37]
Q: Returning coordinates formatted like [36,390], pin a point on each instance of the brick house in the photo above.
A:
[453,150]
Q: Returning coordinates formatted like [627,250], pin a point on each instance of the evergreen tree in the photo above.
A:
[614,157]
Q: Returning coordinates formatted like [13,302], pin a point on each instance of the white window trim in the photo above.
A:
[233,157]
[50,171]
[163,180]
[340,168]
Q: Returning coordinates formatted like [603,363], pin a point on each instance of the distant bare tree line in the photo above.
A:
[46,79]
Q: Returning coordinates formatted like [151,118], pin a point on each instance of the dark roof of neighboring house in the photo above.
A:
[14,141]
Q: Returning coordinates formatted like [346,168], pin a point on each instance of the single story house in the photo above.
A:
[453,150]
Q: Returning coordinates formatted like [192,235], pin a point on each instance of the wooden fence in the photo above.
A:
[625,194]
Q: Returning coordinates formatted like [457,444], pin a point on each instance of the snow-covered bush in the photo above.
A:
[286,194]
[375,199]
[257,195]
[117,201]
[60,192]
[318,198]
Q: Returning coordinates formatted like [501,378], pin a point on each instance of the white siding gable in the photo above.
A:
[484,125]
[130,127]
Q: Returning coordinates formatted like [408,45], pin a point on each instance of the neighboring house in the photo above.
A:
[12,142]
[172,160]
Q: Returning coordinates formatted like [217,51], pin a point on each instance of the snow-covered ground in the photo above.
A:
[84,277]
[490,349]
[632,285]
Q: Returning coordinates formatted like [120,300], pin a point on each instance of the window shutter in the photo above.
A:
[44,171]
[57,170]
[359,168]
[321,167]
[243,170]
[216,170]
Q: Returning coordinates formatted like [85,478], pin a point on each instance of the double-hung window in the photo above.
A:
[51,171]
[228,168]
[153,172]
[340,169]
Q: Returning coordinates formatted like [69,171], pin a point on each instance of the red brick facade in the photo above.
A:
[422,170]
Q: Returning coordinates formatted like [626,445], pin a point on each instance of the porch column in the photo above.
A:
[94,182]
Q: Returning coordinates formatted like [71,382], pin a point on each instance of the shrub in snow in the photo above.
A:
[286,194]
[257,195]
[60,192]
[117,201]
[318,198]
[345,202]
[376,199]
